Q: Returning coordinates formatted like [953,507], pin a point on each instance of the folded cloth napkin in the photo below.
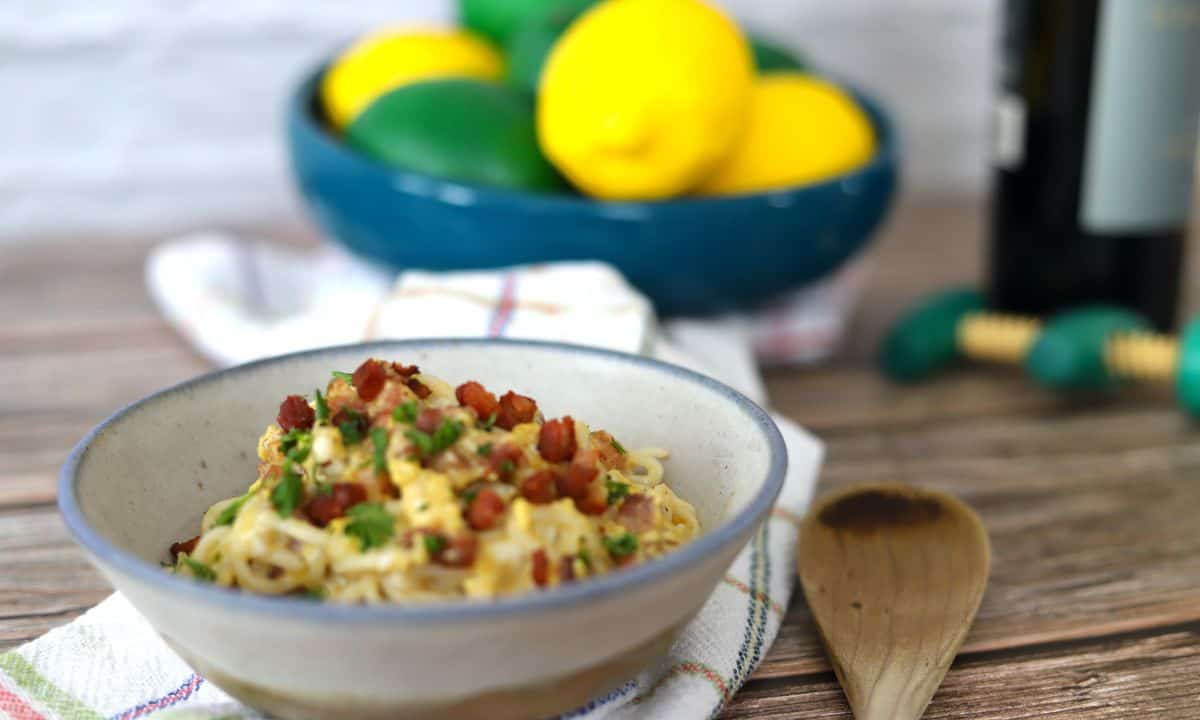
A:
[109,663]
[238,300]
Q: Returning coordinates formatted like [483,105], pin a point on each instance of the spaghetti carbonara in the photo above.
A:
[394,486]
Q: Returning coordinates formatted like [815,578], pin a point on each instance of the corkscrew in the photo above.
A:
[1092,347]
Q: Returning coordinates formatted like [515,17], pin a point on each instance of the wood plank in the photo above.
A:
[1092,521]
[1156,676]
[44,579]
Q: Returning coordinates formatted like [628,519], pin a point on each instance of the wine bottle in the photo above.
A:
[1095,137]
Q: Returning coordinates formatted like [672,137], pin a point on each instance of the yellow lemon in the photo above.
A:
[642,99]
[385,60]
[801,129]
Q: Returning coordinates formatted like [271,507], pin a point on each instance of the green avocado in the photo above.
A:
[530,44]
[461,129]
[497,19]
[772,58]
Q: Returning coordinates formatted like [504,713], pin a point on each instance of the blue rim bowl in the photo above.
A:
[142,478]
[690,256]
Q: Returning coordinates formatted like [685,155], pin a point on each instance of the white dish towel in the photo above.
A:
[236,302]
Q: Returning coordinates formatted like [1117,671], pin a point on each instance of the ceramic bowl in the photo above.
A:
[692,255]
[143,478]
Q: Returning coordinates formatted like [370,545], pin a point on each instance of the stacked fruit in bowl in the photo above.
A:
[562,95]
[640,132]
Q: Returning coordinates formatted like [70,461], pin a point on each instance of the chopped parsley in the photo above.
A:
[296,445]
[484,450]
[422,440]
[289,492]
[621,545]
[371,524]
[317,593]
[352,427]
[406,412]
[469,494]
[507,467]
[620,448]
[348,377]
[324,488]
[446,434]
[434,544]
[379,439]
[230,512]
[442,438]
[290,440]
[586,557]
[199,570]
[489,422]
[616,489]
[322,408]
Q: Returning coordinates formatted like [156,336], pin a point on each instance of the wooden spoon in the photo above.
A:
[893,576]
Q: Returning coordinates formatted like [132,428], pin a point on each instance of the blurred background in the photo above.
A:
[144,117]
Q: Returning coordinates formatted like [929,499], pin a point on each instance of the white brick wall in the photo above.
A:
[154,115]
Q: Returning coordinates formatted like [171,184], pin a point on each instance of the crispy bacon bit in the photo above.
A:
[541,567]
[405,371]
[475,396]
[419,388]
[612,458]
[346,415]
[504,460]
[386,487]
[324,509]
[556,440]
[369,378]
[637,513]
[458,551]
[295,414]
[485,509]
[321,510]
[594,502]
[580,474]
[541,487]
[185,546]
[514,410]
[428,420]
[566,570]
[349,494]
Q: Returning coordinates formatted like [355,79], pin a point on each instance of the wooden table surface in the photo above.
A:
[1092,504]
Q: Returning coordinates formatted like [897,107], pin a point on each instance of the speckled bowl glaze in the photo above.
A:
[689,255]
[143,478]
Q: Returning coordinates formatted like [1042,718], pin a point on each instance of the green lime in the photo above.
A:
[770,58]
[530,43]
[460,129]
[497,19]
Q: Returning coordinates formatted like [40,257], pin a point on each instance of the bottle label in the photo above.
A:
[1145,110]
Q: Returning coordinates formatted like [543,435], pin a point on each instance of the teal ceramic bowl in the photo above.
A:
[689,256]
